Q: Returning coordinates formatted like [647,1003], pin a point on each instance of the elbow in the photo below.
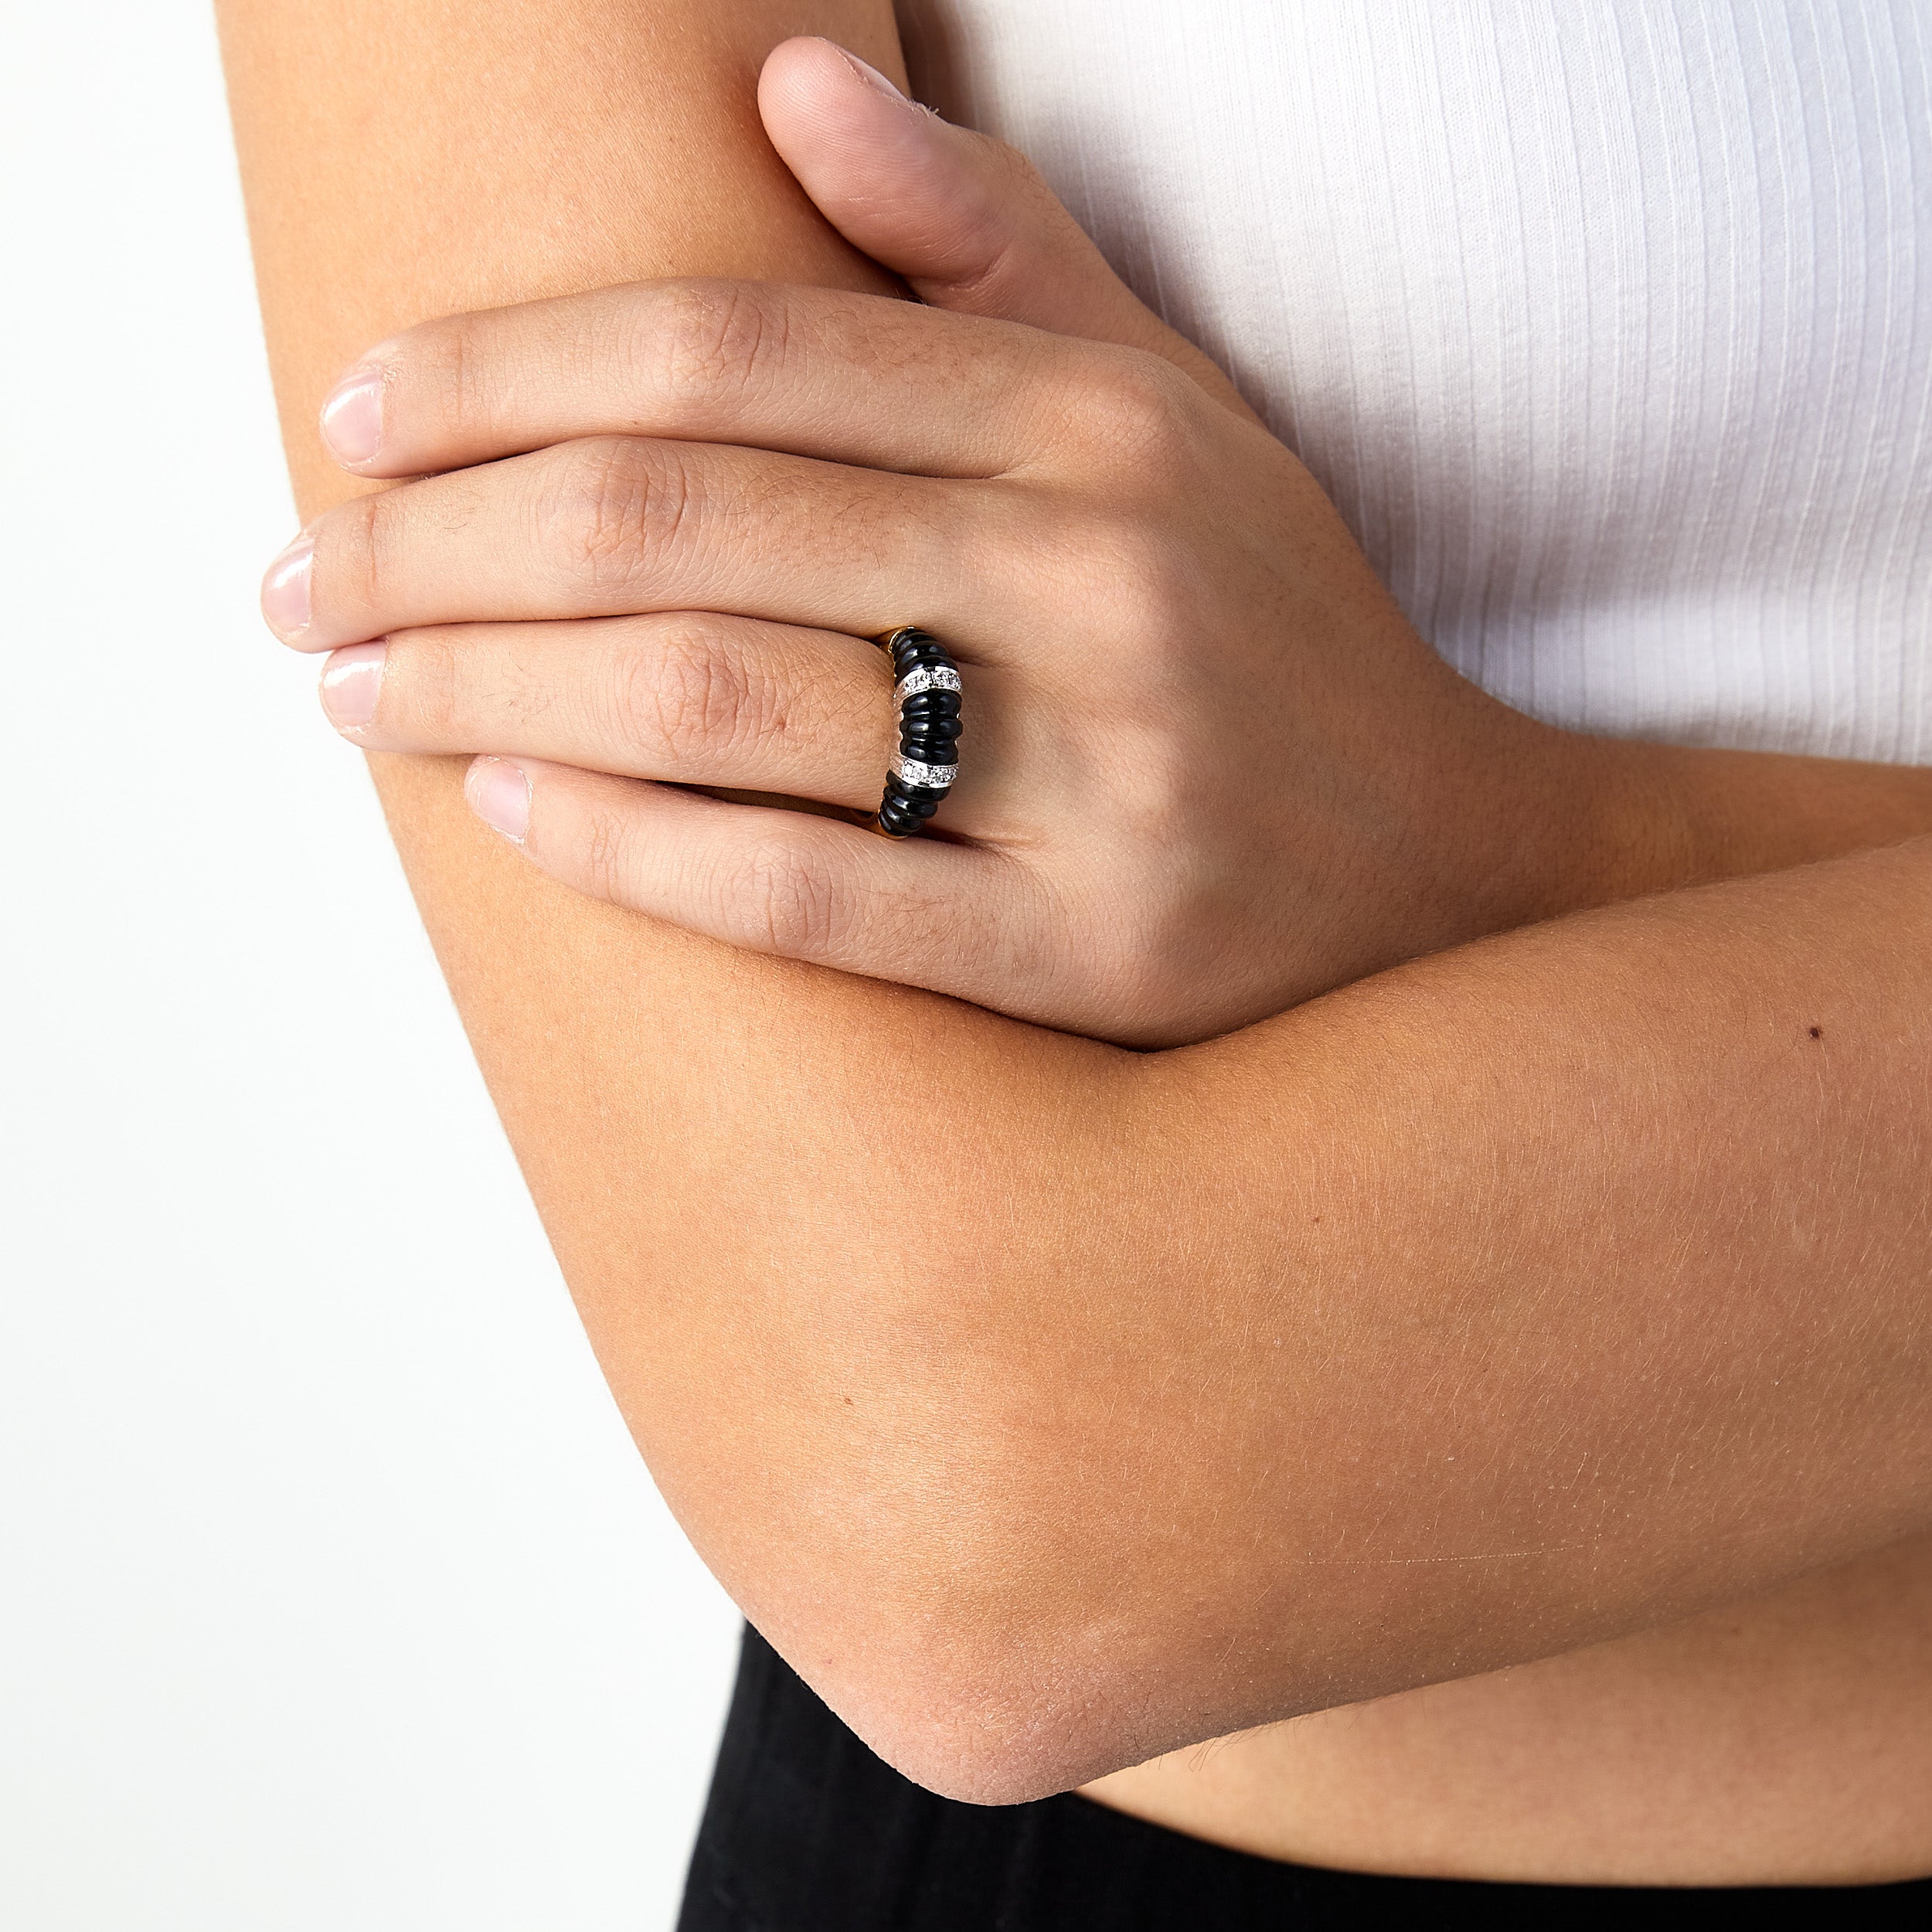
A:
[995,1540]
[984,1729]
[992,1769]
[1025,1698]
[995,1665]
[960,1644]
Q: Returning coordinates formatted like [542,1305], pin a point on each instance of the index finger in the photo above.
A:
[854,379]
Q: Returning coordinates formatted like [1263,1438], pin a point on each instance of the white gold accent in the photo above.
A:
[909,771]
[925,677]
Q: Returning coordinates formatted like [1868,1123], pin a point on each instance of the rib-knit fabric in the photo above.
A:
[1608,324]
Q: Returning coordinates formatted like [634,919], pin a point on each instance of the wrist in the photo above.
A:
[1648,819]
[1561,822]
[1623,822]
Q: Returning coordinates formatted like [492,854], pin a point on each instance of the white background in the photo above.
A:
[332,1594]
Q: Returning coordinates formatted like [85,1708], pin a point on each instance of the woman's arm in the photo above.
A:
[1213,771]
[1543,1289]
[1529,1295]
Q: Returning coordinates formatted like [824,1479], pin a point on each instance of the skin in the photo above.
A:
[1538,1295]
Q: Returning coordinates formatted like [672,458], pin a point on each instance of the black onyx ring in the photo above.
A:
[926,695]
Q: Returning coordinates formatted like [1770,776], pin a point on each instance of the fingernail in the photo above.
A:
[873,78]
[352,416]
[351,681]
[285,588]
[499,794]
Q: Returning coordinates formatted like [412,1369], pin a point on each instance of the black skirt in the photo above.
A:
[807,1830]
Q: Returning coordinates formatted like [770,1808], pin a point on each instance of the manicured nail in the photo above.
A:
[352,416]
[499,794]
[873,78]
[351,681]
[285,588]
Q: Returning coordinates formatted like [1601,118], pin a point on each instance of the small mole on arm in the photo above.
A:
[1817,1032]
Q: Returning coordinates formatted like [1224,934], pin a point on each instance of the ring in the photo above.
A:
[926,697]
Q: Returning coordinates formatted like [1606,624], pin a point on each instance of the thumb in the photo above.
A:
[965,221]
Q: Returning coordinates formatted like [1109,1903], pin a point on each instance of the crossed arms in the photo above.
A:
[1544,1290]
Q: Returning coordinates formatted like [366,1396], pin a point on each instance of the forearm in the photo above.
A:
[1600,1253]
[1539,1291]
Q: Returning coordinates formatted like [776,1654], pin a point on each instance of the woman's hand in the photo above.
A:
[1209,769]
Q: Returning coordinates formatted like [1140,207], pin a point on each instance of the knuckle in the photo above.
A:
[602,854]
[717,337]
[423,671]
[790,899]
[691,697]
[1133,408]
[449,689]
[609,506]
[362,552]
[1020,176]
[450,359]
[985,255]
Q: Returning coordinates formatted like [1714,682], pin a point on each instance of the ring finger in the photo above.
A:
[692,697]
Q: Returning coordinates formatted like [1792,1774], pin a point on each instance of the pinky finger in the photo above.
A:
[921,912]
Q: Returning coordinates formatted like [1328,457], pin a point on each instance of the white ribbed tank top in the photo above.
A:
[1608,324]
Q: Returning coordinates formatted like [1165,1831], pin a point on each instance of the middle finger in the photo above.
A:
[620,526]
